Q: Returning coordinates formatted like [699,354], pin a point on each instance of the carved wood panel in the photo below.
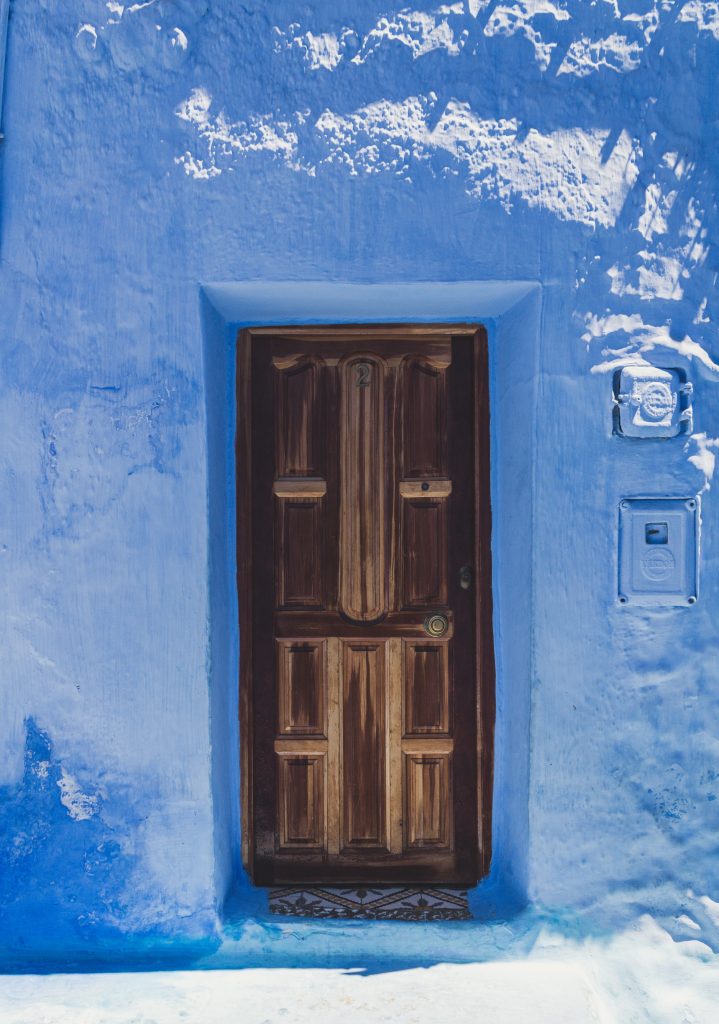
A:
[428,800]
[363,588]
[299,418]
[299,566]
[364,758]
[426,688]
[364,733]
[301,812]
[424,551]
[425,419]
[302,685]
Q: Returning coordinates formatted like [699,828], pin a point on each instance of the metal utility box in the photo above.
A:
[658,552]
[650,401]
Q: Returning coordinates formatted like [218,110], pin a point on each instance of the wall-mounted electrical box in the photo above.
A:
[658,550]
[652,402]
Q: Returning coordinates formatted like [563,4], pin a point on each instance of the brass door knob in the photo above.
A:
[436,624]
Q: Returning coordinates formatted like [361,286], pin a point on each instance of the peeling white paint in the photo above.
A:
[642,339]
[705,13]
[420,31]
[647,22]
[562,171]
[196,168]
[615,52]
[704,459]
[256,135]
[322,50]
[178,38]
[80,806]
[90,32]
[701,317]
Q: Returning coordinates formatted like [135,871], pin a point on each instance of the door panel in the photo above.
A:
[426,688]
[425,416]
[301,801]
[362,489]
[429,800]
[299,409]
[302,687]
[364,792]
[424,552]
[299,573]
[363,723]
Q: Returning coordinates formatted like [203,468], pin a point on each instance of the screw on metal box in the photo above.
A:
[436,624]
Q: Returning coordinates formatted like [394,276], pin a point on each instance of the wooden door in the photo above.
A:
[364,452]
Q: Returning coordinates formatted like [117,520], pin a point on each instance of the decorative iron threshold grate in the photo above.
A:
[400,903]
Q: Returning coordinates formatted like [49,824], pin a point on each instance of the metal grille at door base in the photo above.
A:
[391,904]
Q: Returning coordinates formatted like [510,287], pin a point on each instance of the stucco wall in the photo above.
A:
[151,149]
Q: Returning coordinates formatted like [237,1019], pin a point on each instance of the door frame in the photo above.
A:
[484,682]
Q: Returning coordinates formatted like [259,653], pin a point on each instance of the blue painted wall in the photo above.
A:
[153,148]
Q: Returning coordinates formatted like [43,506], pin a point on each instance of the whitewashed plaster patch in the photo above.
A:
[700,316]
[640,339]
[647,22]
[79,805]
[421,32]
[382,136]
[321,50]
[224,139]
[705,13]
[561,171]
[704,459]
[196,168]
[509,19]
[85,43]
[615,52]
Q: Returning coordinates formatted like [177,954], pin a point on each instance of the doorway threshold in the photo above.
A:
[392,903]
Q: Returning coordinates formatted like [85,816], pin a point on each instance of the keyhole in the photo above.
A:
[363,372]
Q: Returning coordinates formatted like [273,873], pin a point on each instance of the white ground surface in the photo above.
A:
[492,993]
[641,976]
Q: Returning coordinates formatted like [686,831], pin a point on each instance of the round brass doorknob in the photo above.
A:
[436,624]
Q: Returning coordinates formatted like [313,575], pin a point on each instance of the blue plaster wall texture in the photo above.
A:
[154,147]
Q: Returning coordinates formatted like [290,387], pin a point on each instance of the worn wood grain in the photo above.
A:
[362,492]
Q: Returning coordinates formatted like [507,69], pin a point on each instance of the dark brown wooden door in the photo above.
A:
[362,676]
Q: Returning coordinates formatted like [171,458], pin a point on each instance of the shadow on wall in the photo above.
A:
[66,866]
